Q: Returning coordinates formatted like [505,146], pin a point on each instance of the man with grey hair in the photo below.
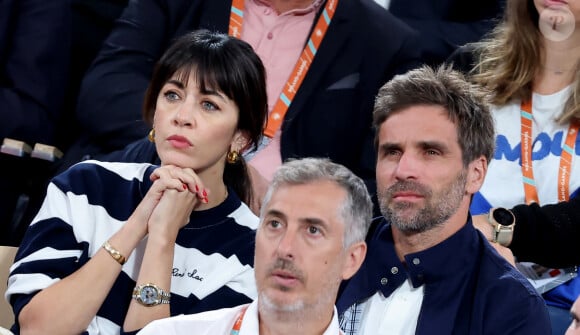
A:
[313,223]
[428,271]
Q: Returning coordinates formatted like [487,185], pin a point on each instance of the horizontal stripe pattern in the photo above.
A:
[213,263]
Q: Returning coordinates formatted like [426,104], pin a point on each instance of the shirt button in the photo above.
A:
[416,261]
[394,270]
[384,281]
[270,35]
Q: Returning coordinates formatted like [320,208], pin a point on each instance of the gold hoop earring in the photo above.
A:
[151,136]
[233,157]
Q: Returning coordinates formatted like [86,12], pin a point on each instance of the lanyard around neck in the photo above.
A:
[564,171]
[302,65]
[238,324]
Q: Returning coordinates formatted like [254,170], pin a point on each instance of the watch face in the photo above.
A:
[149,295]
[503,216]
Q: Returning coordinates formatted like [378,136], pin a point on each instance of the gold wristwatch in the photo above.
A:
[502,222]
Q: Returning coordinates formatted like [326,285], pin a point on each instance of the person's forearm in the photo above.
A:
[171,213]
[69,305]
[156,269]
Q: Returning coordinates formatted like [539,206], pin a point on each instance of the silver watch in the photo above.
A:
[150,295]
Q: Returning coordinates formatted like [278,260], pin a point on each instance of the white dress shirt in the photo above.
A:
[396,314]
[218,322]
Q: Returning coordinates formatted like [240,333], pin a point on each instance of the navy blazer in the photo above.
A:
[468,287]
[330,116]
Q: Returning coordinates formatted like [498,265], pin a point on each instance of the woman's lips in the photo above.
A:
[549,3]
[179,142]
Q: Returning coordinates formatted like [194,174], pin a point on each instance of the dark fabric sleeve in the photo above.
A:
[439,38]
[112,91]
[447,25]
[549,234]
[34,58]
[527,315]
[463,59]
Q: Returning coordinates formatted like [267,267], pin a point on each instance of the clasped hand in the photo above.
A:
[168,204]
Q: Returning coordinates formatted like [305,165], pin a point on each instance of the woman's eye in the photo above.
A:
[171,96]
[209,105]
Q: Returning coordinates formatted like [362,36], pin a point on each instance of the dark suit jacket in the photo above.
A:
[445,25]
[330,116]
[34,56]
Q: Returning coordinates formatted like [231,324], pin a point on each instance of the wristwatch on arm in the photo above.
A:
[502,222]
[150,295]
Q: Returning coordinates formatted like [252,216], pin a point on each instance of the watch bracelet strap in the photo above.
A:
[494,232]
[502,239]
[165,297]
[115,254]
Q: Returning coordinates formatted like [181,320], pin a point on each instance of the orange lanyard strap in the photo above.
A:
[238,324]
[236,18]
[302,65]
[531,192]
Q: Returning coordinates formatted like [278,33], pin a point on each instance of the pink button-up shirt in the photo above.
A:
[278,39]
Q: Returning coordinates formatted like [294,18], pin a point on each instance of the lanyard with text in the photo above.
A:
[300,69]
[526,152]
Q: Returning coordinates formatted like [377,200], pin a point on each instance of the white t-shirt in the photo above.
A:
[503,186]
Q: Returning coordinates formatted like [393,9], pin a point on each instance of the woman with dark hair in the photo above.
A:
[531,66]
[117,245]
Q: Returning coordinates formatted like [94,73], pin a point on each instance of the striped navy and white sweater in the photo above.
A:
[84,206]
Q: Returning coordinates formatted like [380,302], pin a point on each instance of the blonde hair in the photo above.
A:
[508,59]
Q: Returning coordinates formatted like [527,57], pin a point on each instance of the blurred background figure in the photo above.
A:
[34,62]
[533,76]
[45,48]
[445,25]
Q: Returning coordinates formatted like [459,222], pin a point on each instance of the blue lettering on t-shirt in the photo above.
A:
[543,146]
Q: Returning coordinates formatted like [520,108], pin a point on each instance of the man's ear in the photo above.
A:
[355,255]
[476,172]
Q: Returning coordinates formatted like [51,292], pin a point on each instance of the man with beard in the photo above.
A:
[311,237]
[428,271]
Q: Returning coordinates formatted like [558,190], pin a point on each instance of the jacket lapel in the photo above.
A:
[336,36]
